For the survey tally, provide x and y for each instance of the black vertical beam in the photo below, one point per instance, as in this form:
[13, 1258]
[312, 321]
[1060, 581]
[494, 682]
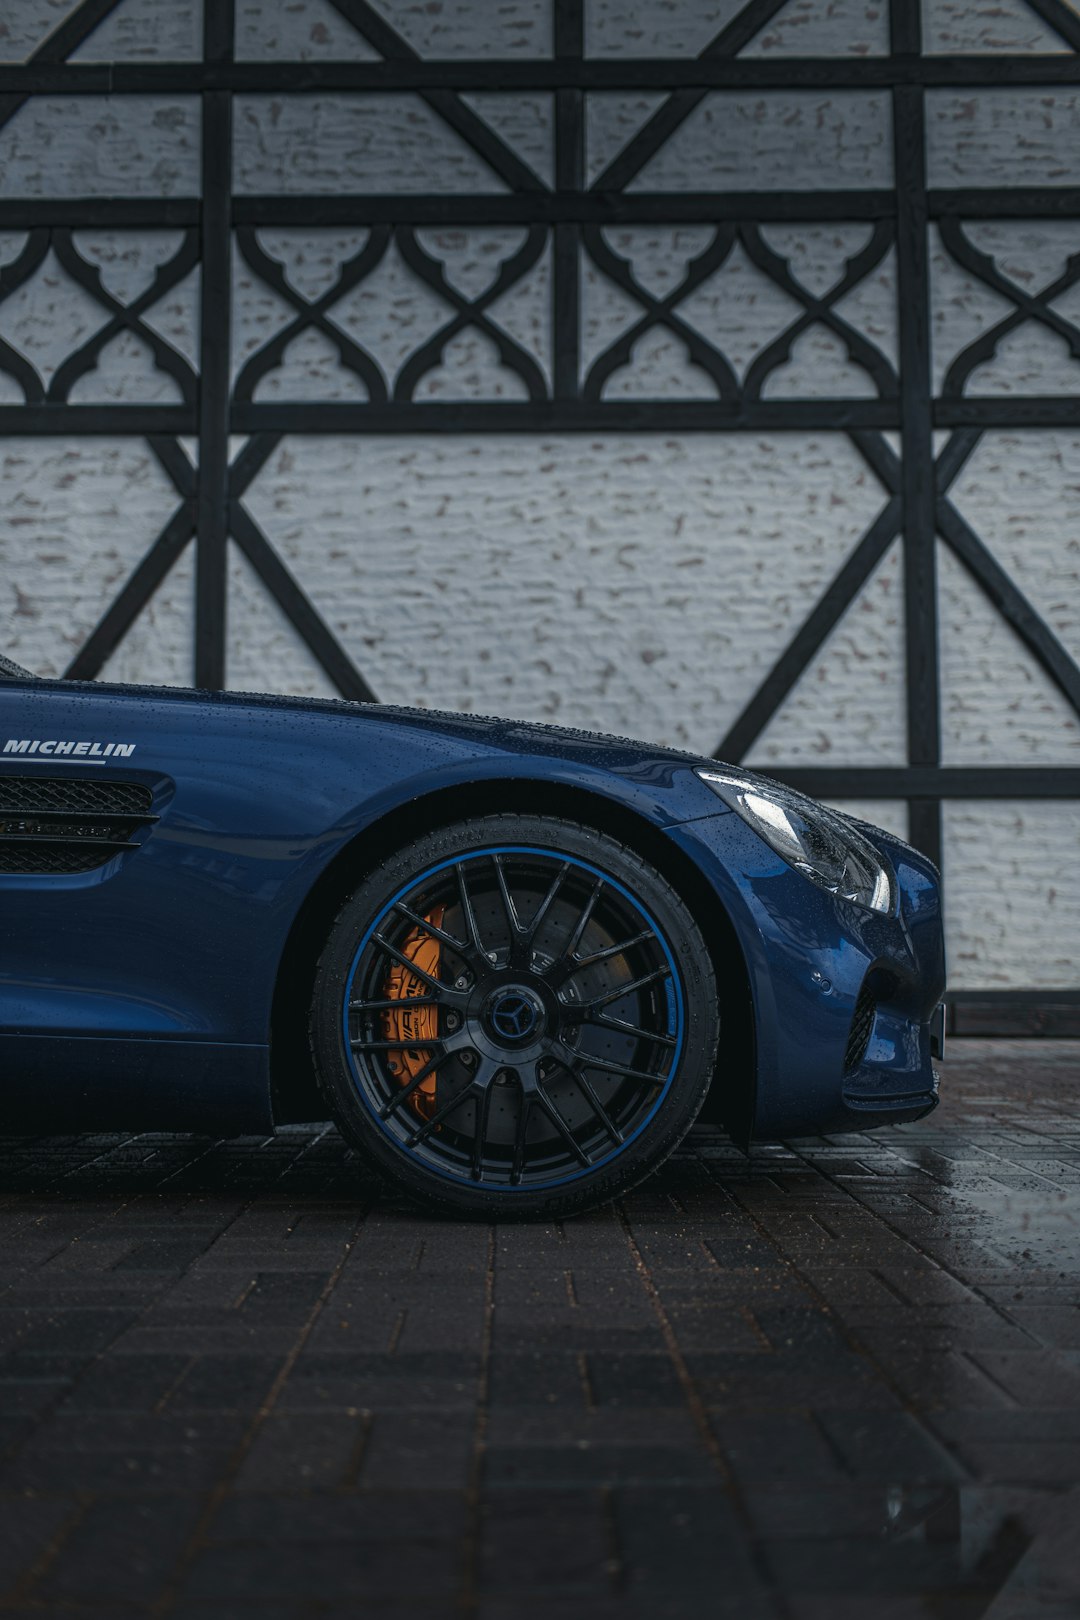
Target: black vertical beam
[917, 467]
[214, 347]
[569, 45]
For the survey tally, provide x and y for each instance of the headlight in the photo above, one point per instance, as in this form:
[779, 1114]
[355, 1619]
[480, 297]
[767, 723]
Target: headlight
[817, 842]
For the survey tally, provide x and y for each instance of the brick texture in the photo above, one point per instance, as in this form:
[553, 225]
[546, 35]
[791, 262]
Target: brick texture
[838, 1378]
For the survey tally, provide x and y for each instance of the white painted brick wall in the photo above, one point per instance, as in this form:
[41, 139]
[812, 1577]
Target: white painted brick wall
[641, 584]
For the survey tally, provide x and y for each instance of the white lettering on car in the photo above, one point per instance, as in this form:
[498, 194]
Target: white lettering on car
[96, 751]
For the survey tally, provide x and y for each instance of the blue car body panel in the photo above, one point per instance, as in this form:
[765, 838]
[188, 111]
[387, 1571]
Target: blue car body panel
[142, 992]
[808, 956]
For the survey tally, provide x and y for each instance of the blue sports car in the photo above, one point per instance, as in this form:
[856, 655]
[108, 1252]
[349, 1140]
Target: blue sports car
[513, 962]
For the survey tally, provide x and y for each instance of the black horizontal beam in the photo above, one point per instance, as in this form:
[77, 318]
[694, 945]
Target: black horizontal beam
[538, 416]
[563, 416]
[1051, 1014]
[561, 207]
[1010, 411]
[30, 213]
[25, 421]
[931, 781]
[552, 208]
[1016, 998]
[547, 207]
[1004, 202]
[717, 72]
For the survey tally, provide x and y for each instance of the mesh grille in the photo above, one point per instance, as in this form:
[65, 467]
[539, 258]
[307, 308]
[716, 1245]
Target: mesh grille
[862, 1022]
[52, 858]
[55, 793]
[57, 825]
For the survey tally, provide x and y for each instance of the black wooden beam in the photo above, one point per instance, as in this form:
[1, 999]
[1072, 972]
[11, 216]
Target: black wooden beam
[1051, 1014]
[65, 38]
[572, 206]
[214, 357]
[917, 454]
[125, 608]
[811, 635]
[569, 38]
[1062, 17]
[1013, 411]
[297, 607]
[618, 415]
[32, 421]
[1011, 603]
[669, 117]
[442, 98]
[930, 782]
[563, 416]
[700, 75]
[566, 204]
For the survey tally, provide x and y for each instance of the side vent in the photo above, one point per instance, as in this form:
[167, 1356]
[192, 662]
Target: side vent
[59, 825]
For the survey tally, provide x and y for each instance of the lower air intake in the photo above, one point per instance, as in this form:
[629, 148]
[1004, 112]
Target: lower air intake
[862, 1022]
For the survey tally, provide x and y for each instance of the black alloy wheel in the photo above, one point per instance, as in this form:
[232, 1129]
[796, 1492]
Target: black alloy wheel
[515, 1016]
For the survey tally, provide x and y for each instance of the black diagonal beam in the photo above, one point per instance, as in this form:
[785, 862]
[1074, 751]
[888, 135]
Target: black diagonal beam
[297, 607]
[455, 112]
[271, 570]
[1009, 600]
[1000, 590]
[173, 540]
[140, 586]
[826, 615]
[812, 634]
[115, 623]
[64, 39]
[1062, 17]
[674, 112]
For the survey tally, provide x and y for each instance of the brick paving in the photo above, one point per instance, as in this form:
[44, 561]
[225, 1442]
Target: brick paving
[838, 1381]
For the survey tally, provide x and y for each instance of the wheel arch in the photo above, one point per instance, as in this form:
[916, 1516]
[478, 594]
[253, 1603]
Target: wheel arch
[294, 1093]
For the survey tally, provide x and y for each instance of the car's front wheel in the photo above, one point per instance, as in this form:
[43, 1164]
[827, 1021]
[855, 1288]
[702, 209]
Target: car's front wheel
[515, 1016]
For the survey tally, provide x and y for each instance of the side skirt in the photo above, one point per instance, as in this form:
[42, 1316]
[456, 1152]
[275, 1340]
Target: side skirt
[64, 1084]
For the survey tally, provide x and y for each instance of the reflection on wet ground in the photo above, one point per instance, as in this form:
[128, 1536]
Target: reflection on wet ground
[837, 1381]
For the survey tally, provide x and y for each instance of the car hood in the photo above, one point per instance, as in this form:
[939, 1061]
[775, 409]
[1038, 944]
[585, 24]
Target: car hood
[487, 731]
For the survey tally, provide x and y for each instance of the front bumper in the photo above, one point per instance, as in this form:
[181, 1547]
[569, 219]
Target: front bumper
[845, 1001]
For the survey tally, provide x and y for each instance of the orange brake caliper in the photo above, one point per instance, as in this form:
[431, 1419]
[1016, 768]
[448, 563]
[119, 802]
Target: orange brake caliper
[414, 1024]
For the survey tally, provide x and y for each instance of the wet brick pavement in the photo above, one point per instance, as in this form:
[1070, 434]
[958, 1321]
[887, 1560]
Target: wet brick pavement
[838, 1381]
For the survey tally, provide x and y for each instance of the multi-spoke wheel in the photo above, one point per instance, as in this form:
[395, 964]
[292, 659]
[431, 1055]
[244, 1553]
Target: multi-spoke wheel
[516, 1015]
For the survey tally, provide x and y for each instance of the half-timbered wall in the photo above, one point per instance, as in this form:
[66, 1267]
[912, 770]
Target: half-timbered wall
[708, 372]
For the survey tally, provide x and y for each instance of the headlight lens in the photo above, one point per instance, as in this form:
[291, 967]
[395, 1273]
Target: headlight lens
[817, 842]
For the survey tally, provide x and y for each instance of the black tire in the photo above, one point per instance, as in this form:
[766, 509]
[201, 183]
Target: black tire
[562, 1020]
